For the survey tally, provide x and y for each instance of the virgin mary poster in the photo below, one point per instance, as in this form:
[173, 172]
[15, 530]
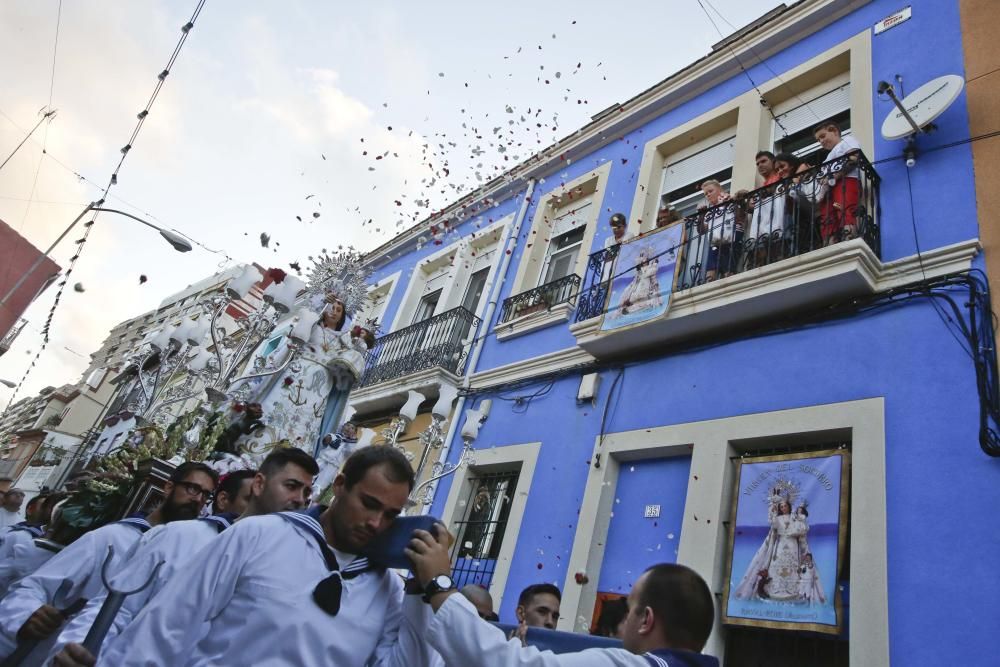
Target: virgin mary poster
[643, 278]
[787, 541]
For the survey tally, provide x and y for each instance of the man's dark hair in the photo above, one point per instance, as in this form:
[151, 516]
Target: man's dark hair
[188, 467]
[51, 501]
[398, 468]
[279, 458]
[681, 602]
[232, 482]
[825, 124]
[37, 499]
[789, 158]
[767, 153]
[524, 599]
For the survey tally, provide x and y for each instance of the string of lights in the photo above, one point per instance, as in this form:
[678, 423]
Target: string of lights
[112, 181]
[48, 115]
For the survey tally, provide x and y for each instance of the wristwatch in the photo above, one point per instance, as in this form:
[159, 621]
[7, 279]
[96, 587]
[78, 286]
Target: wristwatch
[439, 584]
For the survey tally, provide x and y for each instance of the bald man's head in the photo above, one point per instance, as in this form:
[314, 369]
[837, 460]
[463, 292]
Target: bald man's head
[481, 600]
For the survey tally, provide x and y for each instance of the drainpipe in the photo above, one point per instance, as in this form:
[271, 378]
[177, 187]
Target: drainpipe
[477, 349]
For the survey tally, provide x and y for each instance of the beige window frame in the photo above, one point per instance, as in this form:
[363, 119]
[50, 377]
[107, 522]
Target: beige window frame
[497, 459]
[754, 124]
[551, 207]
[449, 270]
[704, 540]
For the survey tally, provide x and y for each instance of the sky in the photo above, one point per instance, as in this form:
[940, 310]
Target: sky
[321, 124]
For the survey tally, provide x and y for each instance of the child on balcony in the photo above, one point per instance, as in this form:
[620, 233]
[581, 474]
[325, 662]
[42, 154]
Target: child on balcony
[724, 228]
[838, 217]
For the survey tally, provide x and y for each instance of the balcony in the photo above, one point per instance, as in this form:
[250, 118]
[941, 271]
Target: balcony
[536, 308]
[439, 342]
[798, 243]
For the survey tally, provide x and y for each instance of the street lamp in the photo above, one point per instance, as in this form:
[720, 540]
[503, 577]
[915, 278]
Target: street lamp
[179, 243]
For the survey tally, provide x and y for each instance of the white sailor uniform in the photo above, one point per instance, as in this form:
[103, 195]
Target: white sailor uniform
[254, 586]
[462, 638]
[71, 575]
[175, 545]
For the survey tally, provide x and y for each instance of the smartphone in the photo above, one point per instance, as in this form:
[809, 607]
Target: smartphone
[387, 549]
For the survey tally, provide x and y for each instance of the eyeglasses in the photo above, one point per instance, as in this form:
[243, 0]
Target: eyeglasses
[195, 490]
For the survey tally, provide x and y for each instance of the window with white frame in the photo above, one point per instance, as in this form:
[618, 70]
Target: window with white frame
[425, 307]
[682, 176]
[377, 302]
[792, 129]
[565, 240]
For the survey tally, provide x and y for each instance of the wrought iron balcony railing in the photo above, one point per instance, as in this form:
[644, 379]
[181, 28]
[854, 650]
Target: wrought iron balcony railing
[833, 202]
[540, 298]
[439, 341]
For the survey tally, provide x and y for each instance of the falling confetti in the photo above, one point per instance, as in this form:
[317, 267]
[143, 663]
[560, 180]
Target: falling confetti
[265, 239]
[78, 287]
[143, 279]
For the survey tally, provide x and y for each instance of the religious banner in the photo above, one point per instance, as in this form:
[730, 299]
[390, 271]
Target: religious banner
[787, 541]
[643, 279]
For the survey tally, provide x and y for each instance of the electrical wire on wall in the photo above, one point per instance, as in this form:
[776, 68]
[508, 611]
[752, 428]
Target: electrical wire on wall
[604, 416]
[964, 296]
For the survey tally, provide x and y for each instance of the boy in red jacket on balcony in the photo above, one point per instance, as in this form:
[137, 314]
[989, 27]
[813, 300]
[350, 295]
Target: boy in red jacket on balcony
[837, 209]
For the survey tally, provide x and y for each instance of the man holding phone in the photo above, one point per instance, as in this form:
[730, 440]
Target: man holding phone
[286, 589]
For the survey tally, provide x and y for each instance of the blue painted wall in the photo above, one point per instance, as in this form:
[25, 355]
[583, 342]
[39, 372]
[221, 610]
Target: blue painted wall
[935, 470]
[943, 539]
[635, 542]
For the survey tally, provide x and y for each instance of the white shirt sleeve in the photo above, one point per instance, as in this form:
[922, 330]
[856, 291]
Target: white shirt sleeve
[24, 559]
[403, 642]
[170, 625]
[159, 544]
[462, 638]
[59, 582]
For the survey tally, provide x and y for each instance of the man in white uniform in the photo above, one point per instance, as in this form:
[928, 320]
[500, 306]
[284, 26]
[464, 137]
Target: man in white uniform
[26, 549]
[234, 492]
[670, 615]
[10, 508]
[31, 611]
[282, 484]
[286, 589]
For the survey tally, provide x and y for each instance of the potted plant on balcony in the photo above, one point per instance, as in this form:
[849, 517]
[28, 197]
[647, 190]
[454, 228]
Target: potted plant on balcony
[536, 304]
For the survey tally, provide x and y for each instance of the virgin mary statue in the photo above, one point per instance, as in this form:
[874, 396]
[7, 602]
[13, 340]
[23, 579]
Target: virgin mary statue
[320, 358]
[777, 570]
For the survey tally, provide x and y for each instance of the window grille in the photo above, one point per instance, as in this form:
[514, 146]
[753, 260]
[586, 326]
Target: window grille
[488, 497]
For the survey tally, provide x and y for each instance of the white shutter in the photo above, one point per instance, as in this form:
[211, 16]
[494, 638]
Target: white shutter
[809, 114]
[571, 216]
[698, 166]
[483, 258]
[436, 275]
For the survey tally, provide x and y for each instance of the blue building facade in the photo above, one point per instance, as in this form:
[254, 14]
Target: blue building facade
[596, 452]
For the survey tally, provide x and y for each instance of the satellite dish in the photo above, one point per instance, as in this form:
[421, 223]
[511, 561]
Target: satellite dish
[916, 111]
